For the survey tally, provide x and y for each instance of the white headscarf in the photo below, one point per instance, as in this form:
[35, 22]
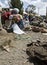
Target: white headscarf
[16, 9]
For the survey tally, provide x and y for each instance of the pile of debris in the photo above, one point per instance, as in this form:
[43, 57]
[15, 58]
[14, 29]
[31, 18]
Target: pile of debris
[39, 29]
[35, 23]
[39, 24]
[38, 49]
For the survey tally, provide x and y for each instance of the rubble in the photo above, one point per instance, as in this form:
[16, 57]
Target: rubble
[35, 23]
[39, 24]
[38, 51]
[43, 30]
[36, 29]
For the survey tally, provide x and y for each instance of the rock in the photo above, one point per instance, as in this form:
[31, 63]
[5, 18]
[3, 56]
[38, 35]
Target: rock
[36, 29]
[39, 51]
[7, 48]
[35, 23]
[43, 30]
[26, 28]
[45, 25]
[41, 25]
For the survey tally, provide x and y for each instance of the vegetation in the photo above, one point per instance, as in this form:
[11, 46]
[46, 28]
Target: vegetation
[30, 8]
[17, 4]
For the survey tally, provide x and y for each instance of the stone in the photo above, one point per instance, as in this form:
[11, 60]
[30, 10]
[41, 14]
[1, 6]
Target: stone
[36, 29]
[38, 51]
[43, 30]
[35, 23]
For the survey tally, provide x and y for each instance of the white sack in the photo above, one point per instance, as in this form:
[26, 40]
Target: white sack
[17, 30]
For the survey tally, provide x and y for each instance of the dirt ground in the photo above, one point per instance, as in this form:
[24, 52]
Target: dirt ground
[17, 54]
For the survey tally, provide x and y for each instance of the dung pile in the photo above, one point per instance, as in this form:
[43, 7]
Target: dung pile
[38, 50]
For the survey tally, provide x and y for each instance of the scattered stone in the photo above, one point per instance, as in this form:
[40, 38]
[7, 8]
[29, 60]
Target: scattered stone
[7, 48]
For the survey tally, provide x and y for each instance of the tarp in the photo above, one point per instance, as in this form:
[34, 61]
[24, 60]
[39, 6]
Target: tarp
[4, 3]
[17, 30]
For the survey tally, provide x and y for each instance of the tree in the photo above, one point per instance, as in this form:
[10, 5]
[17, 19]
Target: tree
[17, 4]
[30, 9]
